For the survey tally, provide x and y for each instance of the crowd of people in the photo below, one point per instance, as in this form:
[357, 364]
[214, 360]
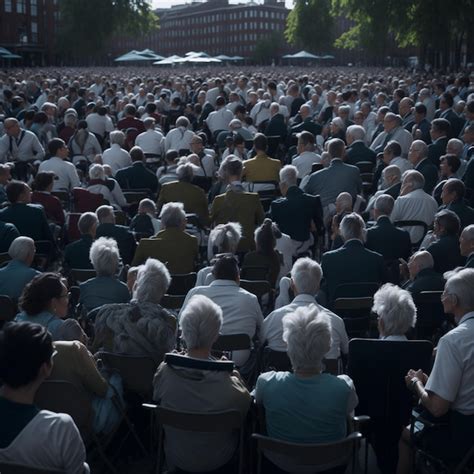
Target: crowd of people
[118, 185]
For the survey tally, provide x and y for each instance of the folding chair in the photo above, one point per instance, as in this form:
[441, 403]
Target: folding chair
[8, 310]
[365, 166]
[43, 255]
[135, 196]
[182, 283]
[316, 167]
[356, 290]
[72, 230]
[430, 314]
[80, 275]
[7, 468]
[5, 257]
[276, 360]
[85, 201]
[218, 422]
[64, 197]
[356, 313]
[232, 342]
[173, 302]
[259, 288]
[254, 272]
[120, 218]
[413, 223]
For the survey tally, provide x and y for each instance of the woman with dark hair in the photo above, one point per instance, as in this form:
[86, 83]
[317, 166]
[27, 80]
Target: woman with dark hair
[28, 436]
[45, 301]
[265, 255]
[42, 187]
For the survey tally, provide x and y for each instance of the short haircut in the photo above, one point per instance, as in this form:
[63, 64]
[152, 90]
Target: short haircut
[449, 221]
[456, 186]
[394, 148]
[24, 348]
[54, 145]
[230, 166]
[86, 222]
[105, 214]
[414, 177]
[396, 309]
[147, 205]
[392, 170]
[441, 125]
[117, 137]
[352, 227]
[136, 154]
[421, 147]
[289, 175]
[224, 238]
[185, 172]
[384, 204]
[14, 190]
[460, 284]
[336, 148]
[306, 275]
[452, 161]
[149, 122]
[39, 292]
[152, 283]
[225, 268]
[130, 109]
[260, 142]
[307, 333]
[420, 108]
[43, 180]
[172, 215]
[356, 132]
[97, 172]
[182, 122]
[306, 138]
[201, 322]
[22, 248]
[105, 257]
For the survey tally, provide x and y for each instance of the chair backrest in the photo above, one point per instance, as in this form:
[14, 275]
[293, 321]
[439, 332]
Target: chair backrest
[5, 257]
[232, 342]
[253, 272]
[421, 224]
[378, 369]
[71, 226]
[182, 283]
[135, 196]
[7, 468]
[8, 309]
[79, 275]
[61, 396]
[356, 313]
[85, 201]
[178, 360]
[174, 302]
[256, 287]
[276, 360]
[136, 371]
[430, 313]
[316, 167]
[356, 290]
[365, 166]
[295, 457]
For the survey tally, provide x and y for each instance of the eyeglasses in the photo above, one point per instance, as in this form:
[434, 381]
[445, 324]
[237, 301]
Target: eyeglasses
[66, 295]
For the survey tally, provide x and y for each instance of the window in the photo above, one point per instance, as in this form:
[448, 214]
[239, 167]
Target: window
[20, 6]
[34, 7]
[8, 6]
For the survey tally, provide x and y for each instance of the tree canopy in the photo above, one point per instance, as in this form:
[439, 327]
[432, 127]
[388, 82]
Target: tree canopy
[83, 30]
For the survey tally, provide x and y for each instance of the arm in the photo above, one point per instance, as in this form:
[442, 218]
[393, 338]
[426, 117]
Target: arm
[38, 149]
[91, 377]
[118, 196]
[74, 180]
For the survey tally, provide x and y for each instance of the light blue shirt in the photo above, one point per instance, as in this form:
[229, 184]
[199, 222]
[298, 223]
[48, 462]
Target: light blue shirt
[103, 290]
[49, 320]
[14, 277]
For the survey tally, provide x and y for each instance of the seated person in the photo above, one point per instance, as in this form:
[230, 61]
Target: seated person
[141, 327]
[306, 405]
[110, 190]
[76, 254]
[343, 207]
[422, 276]
[145, 222]
[448, 169]
[448, 390]
[466, 245]
[105, 288]
[18, 272]
[224, 238]
[265, 254]
[8, 233]
[453, 198]
[137, 176]
[193, 197]
[167, 172]
[445, 250]
[26, 360]
[195, 391]
[42, 188]
[45, 301]
[172, 245]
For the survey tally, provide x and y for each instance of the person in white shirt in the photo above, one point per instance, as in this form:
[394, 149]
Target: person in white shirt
[370, 118]
[115, 156]
[392, 156]
[151, 141]
[179, 138]
[206, 161]
[393, 130]
[306, 156]
[66, 173]
[240, 309]
[305, 281]
[19, 145]
[414, 204]
[99, 123]
[108, 187]
[219, 119]
[261, 110]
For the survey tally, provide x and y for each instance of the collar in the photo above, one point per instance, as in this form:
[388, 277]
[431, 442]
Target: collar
[467, 316]
[224, 283]
[394, 338]
[422, 161]
[261, 156]
[294, 191]
[304, 298]
[384, 220]
[352, 242]
[336, 161]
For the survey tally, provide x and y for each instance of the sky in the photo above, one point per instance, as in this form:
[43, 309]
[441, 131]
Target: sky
[169, 3]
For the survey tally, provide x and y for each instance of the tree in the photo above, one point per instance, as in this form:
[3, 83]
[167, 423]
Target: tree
[86, 25]
[310, 25]
[268, 48]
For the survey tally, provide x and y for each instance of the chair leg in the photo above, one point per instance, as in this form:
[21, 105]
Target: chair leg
[160, 454]
[103, 455]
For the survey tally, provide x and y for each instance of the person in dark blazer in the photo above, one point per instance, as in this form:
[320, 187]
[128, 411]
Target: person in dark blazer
[418, 156]
[76, 254]
[174, 247]
[352, 263]
[384, 238]
[193, 197]
[445, 111]
[296, 213]
[29, 219]
[452, 197]
[445, 251]
[304, 122]
[42, 188]
[357, 149]
[108, 228]
[449, 165]
[439, 135]
[466, 245]
[8, 233]
[137, 176]
[420, 126]
[422, 276]
[276, 125]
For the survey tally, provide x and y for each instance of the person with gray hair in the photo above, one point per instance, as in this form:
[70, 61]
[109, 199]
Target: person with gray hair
[145, 223]
[109, 188]
[172, 244]
[421, 274]
[352, 263]
[396, 312]
[151, 141]
[357, 150]
[391, 184]
[448, 388]
[312, 399]
[304, 282]
[179, 138]
[384, 238]
[392, 157]
[393, 130]
[116, 156]
[18, 272]
[418, 157]
[194, 390]
[414, 204]
[105, 288]
[76, 254]
[466, 245]
[141, 327]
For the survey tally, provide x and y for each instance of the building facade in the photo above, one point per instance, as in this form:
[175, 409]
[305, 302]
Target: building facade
[28, 28]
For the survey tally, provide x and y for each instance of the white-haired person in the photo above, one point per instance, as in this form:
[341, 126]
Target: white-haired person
[224, 238]
[145, 222]
[116, 156]
[306, 405]
[110, 190]
[305, 279]
[396, 312]
[141, 327]
[104, 288]
[447, 394]
[195, 390]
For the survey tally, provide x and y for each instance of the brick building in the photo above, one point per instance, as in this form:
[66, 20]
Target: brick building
[28, 28]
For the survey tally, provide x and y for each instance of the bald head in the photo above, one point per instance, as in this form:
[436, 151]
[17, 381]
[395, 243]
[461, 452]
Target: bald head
[419, 261]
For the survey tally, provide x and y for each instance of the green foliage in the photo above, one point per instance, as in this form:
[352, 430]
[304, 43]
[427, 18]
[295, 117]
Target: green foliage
[268, 48]
[310, 25]
[86, 25]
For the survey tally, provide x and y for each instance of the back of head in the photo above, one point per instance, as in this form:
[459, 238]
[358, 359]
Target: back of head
[306, 276]
[456, 186]
[153, 281]
[459, 284]
[172, 215]
[423, 259]
[226, 267]
[147, 206]
[265, 239]
[306, 139]
[224, 238]
[105, 257]
[14, 190]
[96, 172]
[260, 142]
[230, 167]
[54, 145]
[87, 222]
[415, 178]
[384, 204]
[394, 148]
[105, 214]
[23, 249]
[43, 180]
[136, 154]
[289, 175]
[352, 227]
[449, 222]
[24, 348]
[441, 125]
[117, 137]
[185, 172]
[39, 292]
[336, 148]
[357, 132]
